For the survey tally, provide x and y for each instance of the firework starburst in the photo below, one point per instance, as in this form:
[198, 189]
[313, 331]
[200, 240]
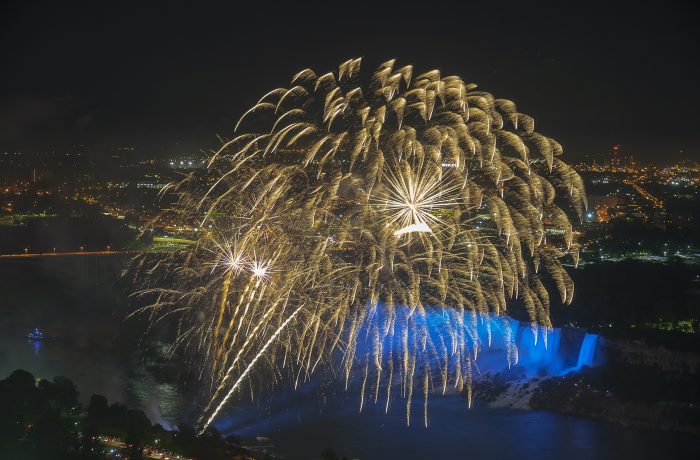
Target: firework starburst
[346, 210]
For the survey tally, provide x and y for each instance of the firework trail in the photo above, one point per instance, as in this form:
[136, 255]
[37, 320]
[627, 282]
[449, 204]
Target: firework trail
[342, 213]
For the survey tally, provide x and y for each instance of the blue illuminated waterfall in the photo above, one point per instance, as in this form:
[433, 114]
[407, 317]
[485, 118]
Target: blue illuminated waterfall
[502, 342]
[554, 352]
[586, 355]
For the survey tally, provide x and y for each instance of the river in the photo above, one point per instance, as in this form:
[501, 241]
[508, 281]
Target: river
[90, 343]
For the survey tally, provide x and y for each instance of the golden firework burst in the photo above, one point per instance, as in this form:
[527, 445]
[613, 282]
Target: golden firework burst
[376, 202]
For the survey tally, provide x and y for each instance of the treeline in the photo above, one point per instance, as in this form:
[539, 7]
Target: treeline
[43, 419]
[634, 293]
[625, 393]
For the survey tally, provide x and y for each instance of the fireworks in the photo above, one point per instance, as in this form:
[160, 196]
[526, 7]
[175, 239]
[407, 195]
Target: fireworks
[412, 197]
[343, 212]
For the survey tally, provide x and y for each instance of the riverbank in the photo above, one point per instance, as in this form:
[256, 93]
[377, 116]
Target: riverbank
[44, 419]
[635, 384]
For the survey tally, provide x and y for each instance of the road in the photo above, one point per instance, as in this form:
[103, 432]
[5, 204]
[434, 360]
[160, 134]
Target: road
[59, 254]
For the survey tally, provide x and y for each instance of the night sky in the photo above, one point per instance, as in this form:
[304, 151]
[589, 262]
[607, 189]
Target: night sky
[114, 73]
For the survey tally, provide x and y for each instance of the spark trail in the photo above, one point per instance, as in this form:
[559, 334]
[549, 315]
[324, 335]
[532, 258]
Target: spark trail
[345, 209]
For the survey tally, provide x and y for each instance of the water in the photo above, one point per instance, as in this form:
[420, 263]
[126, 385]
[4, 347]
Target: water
[535, 349]
[89, 343]
[300, 425]
[86, 340]
[586, 356]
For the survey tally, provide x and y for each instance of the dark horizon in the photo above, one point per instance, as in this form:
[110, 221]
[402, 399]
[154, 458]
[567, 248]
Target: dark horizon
[592, 76]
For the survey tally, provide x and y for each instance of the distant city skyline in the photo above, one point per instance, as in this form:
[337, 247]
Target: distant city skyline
[177, 150]
[592, 76]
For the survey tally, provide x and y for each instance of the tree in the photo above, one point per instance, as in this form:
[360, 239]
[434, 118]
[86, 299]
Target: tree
[52, 436]
[94, 424]
[21, 380]
[60, 395]
[96, 416]
[17, 400]
[184, 439]
[117, 420]
[65, 394]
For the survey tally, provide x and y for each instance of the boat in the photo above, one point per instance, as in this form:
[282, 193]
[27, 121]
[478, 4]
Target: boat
[35, 335]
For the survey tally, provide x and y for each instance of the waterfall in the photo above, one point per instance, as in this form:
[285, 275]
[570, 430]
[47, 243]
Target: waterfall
[502, 342]
[586, 354]
[543, 350]
[553, 339]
